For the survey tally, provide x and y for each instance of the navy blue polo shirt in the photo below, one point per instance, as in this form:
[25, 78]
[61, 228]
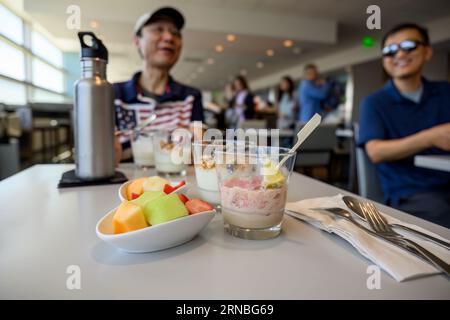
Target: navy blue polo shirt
[386, 115]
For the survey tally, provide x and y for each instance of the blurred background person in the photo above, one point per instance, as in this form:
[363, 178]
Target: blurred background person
[286, 103]
[312, 93]
[242, 105]
[408, 116]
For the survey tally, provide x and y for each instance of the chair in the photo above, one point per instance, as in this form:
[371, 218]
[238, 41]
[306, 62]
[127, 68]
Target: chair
[254, 135]
[9, 158]
[253, 124]
[368, 181]
[318, 149]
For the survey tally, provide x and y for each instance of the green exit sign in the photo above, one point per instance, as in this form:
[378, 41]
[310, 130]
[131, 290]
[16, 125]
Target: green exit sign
[368, 42]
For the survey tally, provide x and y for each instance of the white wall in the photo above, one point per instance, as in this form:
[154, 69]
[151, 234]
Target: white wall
[437, 68]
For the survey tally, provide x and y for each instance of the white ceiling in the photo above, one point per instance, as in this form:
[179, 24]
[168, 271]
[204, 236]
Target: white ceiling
[316, 26]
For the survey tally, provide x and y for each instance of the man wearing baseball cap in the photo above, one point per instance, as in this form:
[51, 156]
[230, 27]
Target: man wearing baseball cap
[158, 39]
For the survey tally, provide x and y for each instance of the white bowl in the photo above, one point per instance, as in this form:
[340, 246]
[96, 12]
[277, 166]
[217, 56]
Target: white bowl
[154, 238]
[124, 186]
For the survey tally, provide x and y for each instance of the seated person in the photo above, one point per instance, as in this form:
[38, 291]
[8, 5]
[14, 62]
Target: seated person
[409, 116]
[159, 42]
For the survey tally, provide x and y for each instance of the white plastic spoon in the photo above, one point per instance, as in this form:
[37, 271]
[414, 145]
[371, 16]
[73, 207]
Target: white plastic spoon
[138, 129]
[307, 129]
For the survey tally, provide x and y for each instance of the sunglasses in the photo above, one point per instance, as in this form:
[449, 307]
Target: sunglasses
[406, 45]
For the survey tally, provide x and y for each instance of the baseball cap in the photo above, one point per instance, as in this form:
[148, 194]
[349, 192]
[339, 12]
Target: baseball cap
[165, 13]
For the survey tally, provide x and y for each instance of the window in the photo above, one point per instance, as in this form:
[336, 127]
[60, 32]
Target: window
[38, 95]
[11, 26]
[46, 50]
[12, 62]
[12, 92]
[31, 66]
[46, 76]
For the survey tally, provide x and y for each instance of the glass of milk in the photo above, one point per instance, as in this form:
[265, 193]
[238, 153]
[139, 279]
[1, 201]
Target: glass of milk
[143, 149]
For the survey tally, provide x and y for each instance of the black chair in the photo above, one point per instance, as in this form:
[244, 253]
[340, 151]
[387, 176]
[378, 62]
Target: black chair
[366, 171]
[318, 149]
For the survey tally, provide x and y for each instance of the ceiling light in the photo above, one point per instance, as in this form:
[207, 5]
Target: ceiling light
[288, 43]
[297, 50]
[219, 48]
[231, 38]
[243, 72]
[270, 52]
[210, 61]
[259, 65]
[94, 24]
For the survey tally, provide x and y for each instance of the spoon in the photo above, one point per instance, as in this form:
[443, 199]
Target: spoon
[140, 127]
[307, 129]
[355, 205]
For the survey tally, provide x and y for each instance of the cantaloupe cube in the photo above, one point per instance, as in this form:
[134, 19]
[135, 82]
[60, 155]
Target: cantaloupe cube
[135, 187]
[128, 217]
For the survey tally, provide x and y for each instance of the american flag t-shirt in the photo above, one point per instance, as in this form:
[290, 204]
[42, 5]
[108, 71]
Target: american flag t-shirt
[169, 115]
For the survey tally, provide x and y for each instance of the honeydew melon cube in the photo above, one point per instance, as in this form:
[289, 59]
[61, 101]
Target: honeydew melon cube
[128, 217]
[147, 196]
[165, 209]
[154, 183]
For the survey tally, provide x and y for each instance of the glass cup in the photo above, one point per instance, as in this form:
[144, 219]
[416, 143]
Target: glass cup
[170, 152]
[142, 149]
[205, 170]
[253, 189]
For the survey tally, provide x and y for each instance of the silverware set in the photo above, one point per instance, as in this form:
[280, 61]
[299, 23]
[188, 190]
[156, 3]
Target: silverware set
[380, 228]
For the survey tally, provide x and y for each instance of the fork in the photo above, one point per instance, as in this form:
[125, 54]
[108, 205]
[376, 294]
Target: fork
[380, 225]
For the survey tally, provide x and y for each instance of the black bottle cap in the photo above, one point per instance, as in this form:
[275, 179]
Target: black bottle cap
[96, 50]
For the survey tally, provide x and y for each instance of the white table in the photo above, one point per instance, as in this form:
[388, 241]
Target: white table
[43, 230]
[435, 162]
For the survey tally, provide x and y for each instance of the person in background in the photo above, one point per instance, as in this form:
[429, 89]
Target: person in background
[158, 39]
[312, 93]
[242, 106]
[286, 103]
[409, 116]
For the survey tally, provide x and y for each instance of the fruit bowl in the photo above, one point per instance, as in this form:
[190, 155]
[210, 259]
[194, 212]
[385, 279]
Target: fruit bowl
[124, 186]
[154, 238]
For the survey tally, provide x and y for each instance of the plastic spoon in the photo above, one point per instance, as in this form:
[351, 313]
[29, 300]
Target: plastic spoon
[139, 128]
[307, 129]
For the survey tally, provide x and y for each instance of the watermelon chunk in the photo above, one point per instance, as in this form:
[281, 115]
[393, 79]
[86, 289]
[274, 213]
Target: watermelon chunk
[197, 205]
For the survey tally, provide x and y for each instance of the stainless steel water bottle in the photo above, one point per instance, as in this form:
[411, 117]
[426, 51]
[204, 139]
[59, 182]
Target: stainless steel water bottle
[94, 113]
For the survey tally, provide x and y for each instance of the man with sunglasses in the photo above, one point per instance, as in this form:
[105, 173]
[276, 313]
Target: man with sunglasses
[158, 39]
[408, 116]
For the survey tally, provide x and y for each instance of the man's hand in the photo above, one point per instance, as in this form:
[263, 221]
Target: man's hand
[439, 136]
[118, 149]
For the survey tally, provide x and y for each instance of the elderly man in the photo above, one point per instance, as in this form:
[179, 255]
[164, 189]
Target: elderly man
[158, 39]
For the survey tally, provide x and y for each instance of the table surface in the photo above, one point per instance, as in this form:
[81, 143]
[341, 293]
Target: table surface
[43, 230]
[436, 162]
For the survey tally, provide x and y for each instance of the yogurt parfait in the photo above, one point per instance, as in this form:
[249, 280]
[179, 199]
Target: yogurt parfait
[253, 194]
[168, 154]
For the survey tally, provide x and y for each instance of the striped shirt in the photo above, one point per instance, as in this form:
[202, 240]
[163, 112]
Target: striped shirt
[177, 107]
